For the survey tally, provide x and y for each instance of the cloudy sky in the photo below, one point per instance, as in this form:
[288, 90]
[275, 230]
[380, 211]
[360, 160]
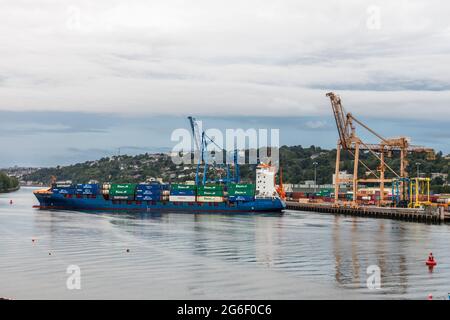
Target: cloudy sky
[80, 79]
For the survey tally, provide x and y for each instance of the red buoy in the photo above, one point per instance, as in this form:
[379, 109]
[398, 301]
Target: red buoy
[431, 262]
[10, 202]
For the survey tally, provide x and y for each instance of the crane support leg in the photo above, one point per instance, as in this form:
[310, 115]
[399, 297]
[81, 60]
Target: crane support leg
[337, 182]
[403, 186]
[355, 176]
[381, 179]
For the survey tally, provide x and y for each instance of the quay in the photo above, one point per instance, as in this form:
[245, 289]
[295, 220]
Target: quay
[432, 215]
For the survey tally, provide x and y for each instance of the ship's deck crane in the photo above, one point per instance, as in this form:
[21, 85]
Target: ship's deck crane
[201, 141]
[349, 141]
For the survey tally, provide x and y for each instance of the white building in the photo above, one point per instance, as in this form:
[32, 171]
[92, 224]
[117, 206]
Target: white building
[343, 175]
[443, 176]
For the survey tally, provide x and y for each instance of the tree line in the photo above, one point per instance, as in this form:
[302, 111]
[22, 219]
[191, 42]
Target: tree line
[298, 164]
[8, 183]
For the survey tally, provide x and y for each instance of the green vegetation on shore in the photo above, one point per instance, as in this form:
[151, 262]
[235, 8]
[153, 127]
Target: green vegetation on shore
[8, 183]
[297, 162]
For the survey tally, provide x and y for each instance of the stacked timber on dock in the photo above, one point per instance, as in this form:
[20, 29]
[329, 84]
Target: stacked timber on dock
[436, 215]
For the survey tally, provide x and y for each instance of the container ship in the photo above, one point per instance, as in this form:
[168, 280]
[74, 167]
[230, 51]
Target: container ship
[261, 196]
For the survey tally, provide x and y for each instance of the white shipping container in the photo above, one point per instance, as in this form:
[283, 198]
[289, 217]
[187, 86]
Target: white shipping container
[182, 198]
[209, 199]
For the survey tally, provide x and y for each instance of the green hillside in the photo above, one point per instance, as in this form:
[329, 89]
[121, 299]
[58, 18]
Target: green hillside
[297, 163]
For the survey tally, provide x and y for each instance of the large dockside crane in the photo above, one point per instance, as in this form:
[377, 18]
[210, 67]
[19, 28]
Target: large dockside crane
[349, 141]
[201, 142]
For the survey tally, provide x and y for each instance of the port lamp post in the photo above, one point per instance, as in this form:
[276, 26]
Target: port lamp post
[315, 176]
[418, 169]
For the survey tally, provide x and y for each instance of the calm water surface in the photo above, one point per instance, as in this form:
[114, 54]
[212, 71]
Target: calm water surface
[298, 255]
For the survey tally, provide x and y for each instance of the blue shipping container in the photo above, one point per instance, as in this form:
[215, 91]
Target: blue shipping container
[148, 187]
[64, 190]
[149, 192]
[87, 191]
[147, 198]
[87, 186]
[182, 192]
[152, 187]
[241, 198]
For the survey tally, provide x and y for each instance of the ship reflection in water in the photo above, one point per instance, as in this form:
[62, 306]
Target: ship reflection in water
[211, 256]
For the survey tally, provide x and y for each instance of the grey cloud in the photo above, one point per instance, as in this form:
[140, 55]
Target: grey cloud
[26, 123]
[389, 84]
[249, 58]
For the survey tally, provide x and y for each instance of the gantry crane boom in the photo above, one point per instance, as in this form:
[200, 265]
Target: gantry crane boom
[346, 130]
[341, 118]
[201, 141]
[348, 140]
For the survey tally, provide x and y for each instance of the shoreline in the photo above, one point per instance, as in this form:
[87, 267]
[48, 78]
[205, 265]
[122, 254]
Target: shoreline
[10, 190]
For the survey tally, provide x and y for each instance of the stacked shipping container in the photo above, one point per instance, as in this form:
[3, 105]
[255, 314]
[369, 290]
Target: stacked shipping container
[210, 193]
[87, 189]
[79, 189]
[241, 192]
[64, 189]
[160, 192]
[151, 192]
[182, 193]
[122, 191]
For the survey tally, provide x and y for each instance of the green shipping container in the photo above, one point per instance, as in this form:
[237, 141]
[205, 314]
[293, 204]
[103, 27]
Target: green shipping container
[241, 192]
[241, 189]
[122, 189]
[210, 193]
[241, 186]
[121, 192]
[211, 187]
[177, 186]
[123, 186]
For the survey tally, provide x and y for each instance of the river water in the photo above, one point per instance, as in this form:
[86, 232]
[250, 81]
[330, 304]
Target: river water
[297, 255]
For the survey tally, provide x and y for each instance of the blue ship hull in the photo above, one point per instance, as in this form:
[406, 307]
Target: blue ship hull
[49, 200]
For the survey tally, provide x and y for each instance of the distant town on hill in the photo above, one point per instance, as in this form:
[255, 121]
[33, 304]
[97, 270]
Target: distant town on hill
[298, 165]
